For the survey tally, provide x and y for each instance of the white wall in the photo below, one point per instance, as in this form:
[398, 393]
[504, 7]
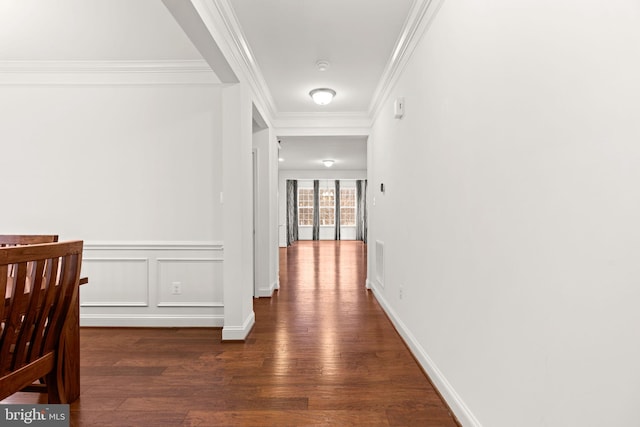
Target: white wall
[135, 172]
[265, 148]
[112, 162]
[237, 143]
[514, 173]
[284, 175]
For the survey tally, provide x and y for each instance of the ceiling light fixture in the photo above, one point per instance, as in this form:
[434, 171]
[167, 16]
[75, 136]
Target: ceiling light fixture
[322, 96]
[328, 163]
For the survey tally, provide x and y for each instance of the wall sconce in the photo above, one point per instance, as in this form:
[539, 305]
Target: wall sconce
[328, 163]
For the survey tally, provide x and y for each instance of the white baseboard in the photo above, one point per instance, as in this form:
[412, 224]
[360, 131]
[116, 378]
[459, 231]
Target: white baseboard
[163, 321]
[453, 399]
[239, 333]
[268, 291]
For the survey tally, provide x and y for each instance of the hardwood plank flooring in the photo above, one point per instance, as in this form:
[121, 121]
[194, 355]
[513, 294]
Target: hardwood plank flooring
[322, 353]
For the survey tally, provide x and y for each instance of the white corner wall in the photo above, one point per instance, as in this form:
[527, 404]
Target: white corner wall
[265, 147]
[239, 317]
[134, 170]
[510, 217]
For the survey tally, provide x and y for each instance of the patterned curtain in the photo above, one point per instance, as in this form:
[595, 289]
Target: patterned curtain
[316, 210]
[292, 211]
[337, 215]
[361, 210]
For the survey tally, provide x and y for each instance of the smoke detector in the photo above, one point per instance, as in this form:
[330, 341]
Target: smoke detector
[322, 65]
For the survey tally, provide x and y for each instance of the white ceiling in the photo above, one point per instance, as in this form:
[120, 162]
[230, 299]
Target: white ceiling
[288, 37]
[307, 152]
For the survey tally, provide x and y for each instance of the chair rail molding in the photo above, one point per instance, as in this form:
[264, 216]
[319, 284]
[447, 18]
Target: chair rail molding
[154, 245]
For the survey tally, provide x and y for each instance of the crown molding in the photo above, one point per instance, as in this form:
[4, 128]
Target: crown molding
[324, 123]
[244, 57]
[308, 115]
[106, 72]
[420, 17]
[195, 65]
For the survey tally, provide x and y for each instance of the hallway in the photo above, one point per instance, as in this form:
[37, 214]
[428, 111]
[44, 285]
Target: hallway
[332, 335]
[322, 353]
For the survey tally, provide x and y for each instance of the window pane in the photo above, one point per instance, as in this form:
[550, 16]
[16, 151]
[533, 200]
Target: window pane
[347, 216]
[327, 198]
[305, 206]
[305, 197]
[347, 197]
[305, 216]
[327, 204]
[348, 206]
[326, 216]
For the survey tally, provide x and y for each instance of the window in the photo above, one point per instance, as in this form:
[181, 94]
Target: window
[348, 206]
[327, 206]
[305, 206]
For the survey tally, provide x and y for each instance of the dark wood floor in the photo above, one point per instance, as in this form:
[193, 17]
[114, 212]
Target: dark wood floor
[322, 353]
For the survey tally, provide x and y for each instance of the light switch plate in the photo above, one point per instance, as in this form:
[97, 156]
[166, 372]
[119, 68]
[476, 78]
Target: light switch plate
[398, 108]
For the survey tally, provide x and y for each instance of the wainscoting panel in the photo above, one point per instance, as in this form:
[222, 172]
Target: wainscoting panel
[152, 284]
[189, 282]
[115, 282]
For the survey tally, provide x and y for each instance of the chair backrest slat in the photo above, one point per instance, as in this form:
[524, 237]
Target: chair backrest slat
[23, 352]
[4, 281]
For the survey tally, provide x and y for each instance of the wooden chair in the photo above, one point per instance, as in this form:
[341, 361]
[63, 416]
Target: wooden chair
[33, 315]
[70, 342]
[26, 239]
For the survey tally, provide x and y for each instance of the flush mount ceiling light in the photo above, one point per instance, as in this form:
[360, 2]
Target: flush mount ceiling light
[328, 163]
[322, 96]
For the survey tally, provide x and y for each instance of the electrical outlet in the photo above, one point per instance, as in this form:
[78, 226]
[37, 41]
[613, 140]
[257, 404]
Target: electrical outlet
[176, 288]
[401, 292]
